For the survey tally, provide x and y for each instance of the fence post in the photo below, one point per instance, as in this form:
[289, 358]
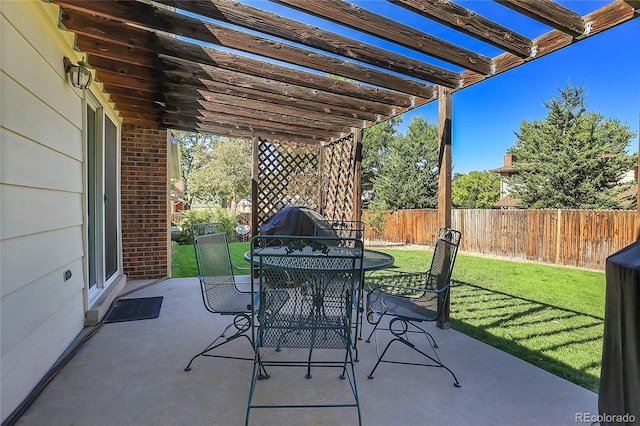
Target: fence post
[558, 235]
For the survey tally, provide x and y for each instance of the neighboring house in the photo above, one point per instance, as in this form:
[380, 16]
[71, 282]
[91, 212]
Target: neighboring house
[629, 197]
[506, 201]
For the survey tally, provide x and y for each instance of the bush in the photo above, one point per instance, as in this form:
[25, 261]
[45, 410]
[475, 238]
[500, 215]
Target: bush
[375, 220]
[215, 214]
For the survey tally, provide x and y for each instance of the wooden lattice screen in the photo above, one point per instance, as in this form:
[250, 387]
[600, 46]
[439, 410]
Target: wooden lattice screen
[319, 177]
[338, 168]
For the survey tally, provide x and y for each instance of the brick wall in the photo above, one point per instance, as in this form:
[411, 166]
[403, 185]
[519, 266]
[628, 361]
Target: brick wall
[145, 233]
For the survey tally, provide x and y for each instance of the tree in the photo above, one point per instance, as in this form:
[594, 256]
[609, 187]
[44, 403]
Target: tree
[573, 159]
[476, 190]
[375, 147]
[408, 175]
[195, 151]
[226, 177]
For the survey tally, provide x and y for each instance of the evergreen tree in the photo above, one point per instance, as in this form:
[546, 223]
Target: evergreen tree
[573, 159]
[408, 176]
[475, 190]
[375, 147]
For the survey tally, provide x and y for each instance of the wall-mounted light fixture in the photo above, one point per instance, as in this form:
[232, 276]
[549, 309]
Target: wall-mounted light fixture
[79, 75]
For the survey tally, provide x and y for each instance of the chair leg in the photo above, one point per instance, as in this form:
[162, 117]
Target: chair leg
[241, 329]
[436, 361]
[375, 325]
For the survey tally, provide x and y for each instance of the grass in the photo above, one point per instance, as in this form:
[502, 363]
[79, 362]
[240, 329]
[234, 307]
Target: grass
[552, 317]
[183, 259]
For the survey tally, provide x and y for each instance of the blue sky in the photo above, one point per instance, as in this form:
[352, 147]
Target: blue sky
[485, 116]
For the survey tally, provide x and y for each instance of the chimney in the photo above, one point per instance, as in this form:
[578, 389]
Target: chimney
[509, 159]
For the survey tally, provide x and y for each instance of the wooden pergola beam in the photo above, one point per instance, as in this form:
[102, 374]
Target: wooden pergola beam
[549, 13]
[155, 18]
[387, 29]
[468, 22]
[634, 3]
[445, 117]
[283, 121]
[280, 112]
[601, 20]
[320, 89]
[243, 132]
[287, 29]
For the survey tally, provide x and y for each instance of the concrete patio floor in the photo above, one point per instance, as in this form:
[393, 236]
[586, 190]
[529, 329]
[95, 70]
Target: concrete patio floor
[132, 373]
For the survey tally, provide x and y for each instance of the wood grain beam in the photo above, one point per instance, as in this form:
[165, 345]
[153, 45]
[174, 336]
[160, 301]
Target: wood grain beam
[307, 108]
[335, 91]
[470, 23]
[244, 114]
[445, 126]
[247, 131]
[163, 20]
[320, 119]
[634, 3]
[220, 118]
[549, 13]
[123, 41]
[287, 29]
[379, 26]
[601, 20]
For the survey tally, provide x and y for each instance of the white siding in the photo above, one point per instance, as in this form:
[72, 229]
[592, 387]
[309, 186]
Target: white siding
[41, 198]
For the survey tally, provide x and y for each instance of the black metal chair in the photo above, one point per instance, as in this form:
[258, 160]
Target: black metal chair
[307, 288]
[408, 299]
[220, 288]
[348, 230]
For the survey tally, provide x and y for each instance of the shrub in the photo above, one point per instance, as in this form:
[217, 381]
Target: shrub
[211, 214]
[375, 220]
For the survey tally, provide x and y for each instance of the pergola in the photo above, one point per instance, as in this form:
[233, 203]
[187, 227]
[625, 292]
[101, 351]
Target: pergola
[183, 64]
[303, 94]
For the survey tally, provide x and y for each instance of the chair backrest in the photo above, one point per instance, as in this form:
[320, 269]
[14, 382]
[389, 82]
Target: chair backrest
[444, 257]
[306, 290]
[215, 270]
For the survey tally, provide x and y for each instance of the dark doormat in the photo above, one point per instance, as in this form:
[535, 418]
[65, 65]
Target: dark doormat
[135, 309]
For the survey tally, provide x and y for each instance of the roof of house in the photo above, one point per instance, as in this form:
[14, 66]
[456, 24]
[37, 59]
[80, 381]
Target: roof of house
[628, 197]
[505, 170]
[507, 202]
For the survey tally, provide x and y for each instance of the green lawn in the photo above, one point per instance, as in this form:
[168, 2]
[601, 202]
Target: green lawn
[183, 259]
[549, 316]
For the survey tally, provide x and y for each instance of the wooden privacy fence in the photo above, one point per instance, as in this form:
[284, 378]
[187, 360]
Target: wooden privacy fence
[580, 238]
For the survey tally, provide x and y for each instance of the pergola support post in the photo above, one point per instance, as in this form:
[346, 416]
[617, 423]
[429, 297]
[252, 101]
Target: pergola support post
[357, 175]
[444, 180]
[254, 186]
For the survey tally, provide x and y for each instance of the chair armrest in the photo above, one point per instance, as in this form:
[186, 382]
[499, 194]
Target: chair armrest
[241, 268]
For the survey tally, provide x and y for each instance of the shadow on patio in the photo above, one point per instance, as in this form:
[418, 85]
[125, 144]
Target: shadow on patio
[131, 373]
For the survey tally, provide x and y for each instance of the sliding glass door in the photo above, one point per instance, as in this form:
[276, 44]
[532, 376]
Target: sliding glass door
[103, 242]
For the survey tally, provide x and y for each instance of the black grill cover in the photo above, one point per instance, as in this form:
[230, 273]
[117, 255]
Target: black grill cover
[295, 220]
[619, 396]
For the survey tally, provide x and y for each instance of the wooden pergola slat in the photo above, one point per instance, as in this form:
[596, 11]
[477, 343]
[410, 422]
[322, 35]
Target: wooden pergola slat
[363, 20]
[468, 22]
[549, 13]
[143, 64]
[163, 20]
